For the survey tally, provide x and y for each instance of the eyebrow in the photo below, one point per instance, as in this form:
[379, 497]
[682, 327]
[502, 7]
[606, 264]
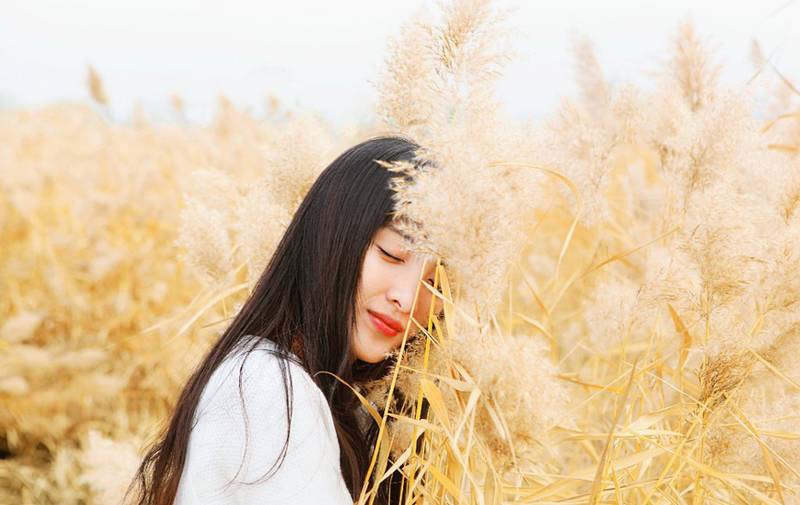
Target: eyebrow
[396, 230]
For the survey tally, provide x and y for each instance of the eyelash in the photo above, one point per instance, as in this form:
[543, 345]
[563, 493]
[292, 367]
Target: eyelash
[388, 255]
[398, 259]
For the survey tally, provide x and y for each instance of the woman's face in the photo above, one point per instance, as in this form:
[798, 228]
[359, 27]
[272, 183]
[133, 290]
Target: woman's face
[389, 278]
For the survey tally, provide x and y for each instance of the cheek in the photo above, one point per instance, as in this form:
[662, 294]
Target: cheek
[424, 302]
[371, 275]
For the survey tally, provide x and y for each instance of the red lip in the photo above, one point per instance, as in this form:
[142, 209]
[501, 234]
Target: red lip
[387, 322]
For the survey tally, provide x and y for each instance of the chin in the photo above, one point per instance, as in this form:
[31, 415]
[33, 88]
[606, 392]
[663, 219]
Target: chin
[374, 353]
[374, 356]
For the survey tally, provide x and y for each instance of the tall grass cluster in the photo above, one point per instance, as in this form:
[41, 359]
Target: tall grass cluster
[620, 282]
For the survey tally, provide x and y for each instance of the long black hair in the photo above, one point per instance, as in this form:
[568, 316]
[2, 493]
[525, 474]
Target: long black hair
[304, 301]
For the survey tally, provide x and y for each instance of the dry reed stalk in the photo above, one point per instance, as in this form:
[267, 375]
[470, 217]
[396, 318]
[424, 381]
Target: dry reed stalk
[100, 301]
[95, 84]
[668, 249]
[620, 321]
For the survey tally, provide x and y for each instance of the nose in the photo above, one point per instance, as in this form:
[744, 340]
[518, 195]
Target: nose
[404, 287]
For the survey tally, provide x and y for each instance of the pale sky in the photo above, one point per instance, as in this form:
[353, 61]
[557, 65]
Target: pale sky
[323, 55]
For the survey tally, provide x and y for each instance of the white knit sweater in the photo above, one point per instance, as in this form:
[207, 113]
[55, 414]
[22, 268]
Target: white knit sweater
[310, 473]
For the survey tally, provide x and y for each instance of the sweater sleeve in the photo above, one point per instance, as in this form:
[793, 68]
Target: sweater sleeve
[241, 436]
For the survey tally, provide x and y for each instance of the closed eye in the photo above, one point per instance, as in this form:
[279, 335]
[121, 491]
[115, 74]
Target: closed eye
[388, 255]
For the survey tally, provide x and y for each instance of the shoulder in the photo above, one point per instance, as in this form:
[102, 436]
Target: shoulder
[258, 377]
[266, 386]
[241, 427]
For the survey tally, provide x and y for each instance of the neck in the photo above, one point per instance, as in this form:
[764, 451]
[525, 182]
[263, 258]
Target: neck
[297, 348]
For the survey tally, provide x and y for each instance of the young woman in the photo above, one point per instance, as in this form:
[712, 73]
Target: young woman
[262, 419]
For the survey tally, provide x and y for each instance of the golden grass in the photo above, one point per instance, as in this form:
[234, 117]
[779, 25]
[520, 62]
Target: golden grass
[642, 416]
[101, 318]
[610, 371]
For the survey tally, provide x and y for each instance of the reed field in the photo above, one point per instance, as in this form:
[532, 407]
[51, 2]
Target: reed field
[621, 289]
